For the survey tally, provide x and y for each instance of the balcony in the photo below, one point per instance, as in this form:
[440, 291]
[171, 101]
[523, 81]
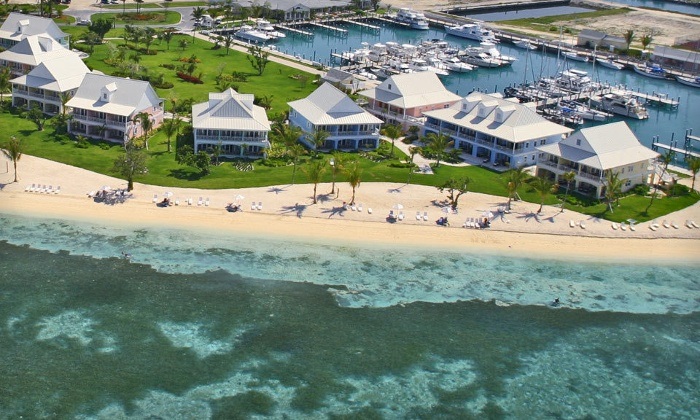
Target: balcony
[504, 148]
[548, 164]
[228, 139]
[596, 178]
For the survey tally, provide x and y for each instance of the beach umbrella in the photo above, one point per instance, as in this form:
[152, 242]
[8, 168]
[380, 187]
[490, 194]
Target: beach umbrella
[106, 188]
[398, 206]
[446, 209]
[168, 194]
[487, 214]
[239, 198]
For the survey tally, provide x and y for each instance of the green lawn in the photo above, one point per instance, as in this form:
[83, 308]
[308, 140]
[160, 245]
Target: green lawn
[148, 18]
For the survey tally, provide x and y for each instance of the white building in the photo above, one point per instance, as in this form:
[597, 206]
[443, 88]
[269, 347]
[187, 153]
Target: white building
[231, 121]
[31, 51]
[45, 85]
[349, 125]
[497, 130]
[18, 26]
[108, 107]
[593, 152]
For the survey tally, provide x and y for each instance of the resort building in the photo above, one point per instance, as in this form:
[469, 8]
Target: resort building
[30, 52]
[349, 126]
[596, 39]
[294, 10]
[50, 84]
[230, 121]
[403, 98]
[111, 108]
[496, 130]
[593, 152]
[18, 26]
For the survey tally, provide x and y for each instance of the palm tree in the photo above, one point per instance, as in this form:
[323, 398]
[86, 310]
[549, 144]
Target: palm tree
[337, 166]
[412, 151]
[437, 143]
[167, 36]
[514, 179]
[295, 151]
[354, 173]
[666, 160]
[13, 151]
[286, 134]
[144, 120]
[394, 132]
[568, 177]
[694, 166]
[171, 128]
[646, 40]
[315, 172]
[64, 97]
[318, 138]
[629, 37]
[148, 34]
[613, 187]
[543, 187]
[5, 84]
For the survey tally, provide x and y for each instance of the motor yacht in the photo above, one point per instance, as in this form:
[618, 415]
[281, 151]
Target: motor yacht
[609, 63]
[574, 56]
[477, 57]
[524, 44]
[689, 81]
[266, 27]
[249, 33]
[472, 31]
[490, 49]
[414, 19]
[654, 71]
[456, 65]
[619, 104]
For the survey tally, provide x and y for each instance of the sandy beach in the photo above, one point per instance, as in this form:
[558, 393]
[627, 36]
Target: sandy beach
[288, 212]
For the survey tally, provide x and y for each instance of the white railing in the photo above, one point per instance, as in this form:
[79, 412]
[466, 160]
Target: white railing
[232, 139]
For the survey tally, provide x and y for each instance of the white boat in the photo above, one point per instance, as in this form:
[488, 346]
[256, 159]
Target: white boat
[654, 71]
[250, 34]
[456, 65]
[573, 55]
[524, 44]
[574, 81]
[415, 20]
[622, 105]
[418, 64]
[266, 27]
[583, 111]
[490, 49]
[689, 81]
[477, 57]
[609, 63]
[472, 31]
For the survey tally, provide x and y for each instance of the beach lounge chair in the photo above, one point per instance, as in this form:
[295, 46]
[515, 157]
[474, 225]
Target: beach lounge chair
[401, 215]
[206, 202]
[57, 190]
[253, 206]
[189, 201]
[695, 225]
[614, 225]
[425, 216]
[582, 224]
[359, 207]
[674, 225]
[369, 210]
[654, 224]
[418, 216]
[632, 227]
[623, 226]
[200, 201]
[28, 187]
[49, 189]
[391, 215]
[666, 224]
[155, 198]
[572, 223]
[353, 207]
[177, 202]
[259, 205]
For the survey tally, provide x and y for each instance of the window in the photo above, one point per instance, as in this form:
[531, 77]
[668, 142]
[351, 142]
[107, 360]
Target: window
[623, 171]
[533, 158]
[389, 86]
[543, 142]
[578, 142]
[527, 145]
[630, 168]
[628, 183]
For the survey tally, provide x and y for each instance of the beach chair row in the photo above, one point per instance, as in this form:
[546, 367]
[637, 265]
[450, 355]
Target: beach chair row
[43, 189]
[472, 223]
[423, 217]
[581, 224]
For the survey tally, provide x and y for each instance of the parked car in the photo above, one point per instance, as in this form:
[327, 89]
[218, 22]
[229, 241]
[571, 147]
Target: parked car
[83, 22]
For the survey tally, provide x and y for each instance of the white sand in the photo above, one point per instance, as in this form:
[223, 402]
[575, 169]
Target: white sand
[288, 212]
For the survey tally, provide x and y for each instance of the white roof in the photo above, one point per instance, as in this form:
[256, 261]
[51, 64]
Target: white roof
[130, 96]
[329, 106]
[288, 4]
[35, 49]
[603, 147]
[230, 110]
[33, 25]
[58, 75]
[676, 54]
[498, 117]
[411, 90]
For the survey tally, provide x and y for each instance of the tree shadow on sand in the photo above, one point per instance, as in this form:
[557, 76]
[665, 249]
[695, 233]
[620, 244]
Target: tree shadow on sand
[335, 210]
[297, 208]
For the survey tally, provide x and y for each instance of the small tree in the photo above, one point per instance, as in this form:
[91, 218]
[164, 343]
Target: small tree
[569, 177]
[183, 43]
[36, 115]
[258, 58]
[694, 166]
[227, 41]
[171, 127]
[613, 188]
[315, 172]
[100, 27]
[393, 132]
[514, 179]
[167, 36]
[5, 84]
[646, 40]
[629, 37]
[455, 188]
[91, 39]
[354, 174]
[131, 163]
[318, 138]
[436, 144]
[295, 152]
[144, 119]
[666, 160]
[412, 152]
[13, 151]
[148, 38]
[543, 187]
[337, 167]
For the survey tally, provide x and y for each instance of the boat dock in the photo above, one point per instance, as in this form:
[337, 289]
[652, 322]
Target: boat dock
[361, 24]
[392, 21]
[341, 31]
[294, 30]
[685, 151]
[652, 98]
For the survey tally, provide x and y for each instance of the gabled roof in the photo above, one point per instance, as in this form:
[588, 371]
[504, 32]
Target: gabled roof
[337, 76]
[230, 110]
[35, 49]
[603, 147]
[411, 90]
[58, 75]
[33, 25]
[498, 117]
[327, 106]
[130, 96]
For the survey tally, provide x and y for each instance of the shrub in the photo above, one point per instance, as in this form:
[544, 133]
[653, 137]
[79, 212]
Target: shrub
[168, 66]
[641, 189]
[677, 190]
[164, 85]
[192, 79]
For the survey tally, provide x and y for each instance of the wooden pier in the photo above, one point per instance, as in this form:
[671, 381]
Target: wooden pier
[685, 151]
[295, 30]
[392, 21]
[652, 98]
[361, 24]
[341, 31]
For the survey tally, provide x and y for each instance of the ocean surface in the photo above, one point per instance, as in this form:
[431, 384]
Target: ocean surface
[663, 122]
[203, 325]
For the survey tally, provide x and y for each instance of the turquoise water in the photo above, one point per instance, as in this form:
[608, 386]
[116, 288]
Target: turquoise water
[201, 325]
[663, 122]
